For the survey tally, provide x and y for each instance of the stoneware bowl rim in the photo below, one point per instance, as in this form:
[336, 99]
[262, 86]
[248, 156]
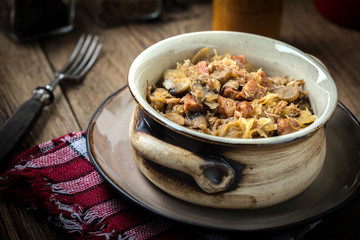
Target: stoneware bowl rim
[144, 105]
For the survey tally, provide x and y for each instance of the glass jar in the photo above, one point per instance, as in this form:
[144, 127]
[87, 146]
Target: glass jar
[25, 20]
[261, 17]
[113, 12]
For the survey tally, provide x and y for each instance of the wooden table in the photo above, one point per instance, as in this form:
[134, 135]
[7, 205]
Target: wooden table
[26, 66]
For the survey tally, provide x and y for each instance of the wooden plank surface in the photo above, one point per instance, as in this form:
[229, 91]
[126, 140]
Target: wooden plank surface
[22, 68]
[337, 46]
[25, 66]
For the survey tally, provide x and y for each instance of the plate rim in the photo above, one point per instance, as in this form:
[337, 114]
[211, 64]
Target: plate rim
[122, 192]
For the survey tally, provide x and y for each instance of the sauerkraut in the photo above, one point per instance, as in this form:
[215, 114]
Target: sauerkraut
[224, 95]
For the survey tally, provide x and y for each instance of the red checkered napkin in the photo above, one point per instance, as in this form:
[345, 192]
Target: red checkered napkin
[58, 179]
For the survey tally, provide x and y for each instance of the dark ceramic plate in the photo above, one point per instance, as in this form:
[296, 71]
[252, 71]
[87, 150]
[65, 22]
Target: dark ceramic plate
[337, 184]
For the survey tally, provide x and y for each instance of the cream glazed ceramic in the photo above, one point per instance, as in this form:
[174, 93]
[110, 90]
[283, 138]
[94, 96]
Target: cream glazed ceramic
[222, 172]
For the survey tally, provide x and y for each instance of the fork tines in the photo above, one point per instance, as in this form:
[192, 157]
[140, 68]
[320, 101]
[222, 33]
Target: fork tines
[83, 56]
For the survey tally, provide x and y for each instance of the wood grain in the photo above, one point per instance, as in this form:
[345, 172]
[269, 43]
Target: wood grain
[22, 68]
[26, 66]
[337, 46]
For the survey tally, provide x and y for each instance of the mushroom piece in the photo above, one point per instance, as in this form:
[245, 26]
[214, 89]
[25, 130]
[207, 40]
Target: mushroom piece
[288, 93]
[286, 126]
[202, 55]
[196, 121]
[175, 117]
[176, 81]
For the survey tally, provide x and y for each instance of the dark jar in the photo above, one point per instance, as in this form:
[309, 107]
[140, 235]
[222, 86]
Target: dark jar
[107, 13]
[25, 20]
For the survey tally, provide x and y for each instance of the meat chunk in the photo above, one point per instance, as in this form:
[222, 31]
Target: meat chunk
[245, 108]
[203, 67]
[226, 107]
[230, 92]
[286, 126]
[230, 89]
[265, 81]
[191, 105]
[251, 91]
[240, 60]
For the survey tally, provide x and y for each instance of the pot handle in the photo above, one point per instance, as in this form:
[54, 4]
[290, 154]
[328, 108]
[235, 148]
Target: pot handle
[211, 175]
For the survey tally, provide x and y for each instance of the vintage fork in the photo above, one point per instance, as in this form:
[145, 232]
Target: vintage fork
[79, 63]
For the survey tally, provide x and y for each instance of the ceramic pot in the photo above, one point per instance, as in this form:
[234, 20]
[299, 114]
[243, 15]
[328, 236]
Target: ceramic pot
[226, 172]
